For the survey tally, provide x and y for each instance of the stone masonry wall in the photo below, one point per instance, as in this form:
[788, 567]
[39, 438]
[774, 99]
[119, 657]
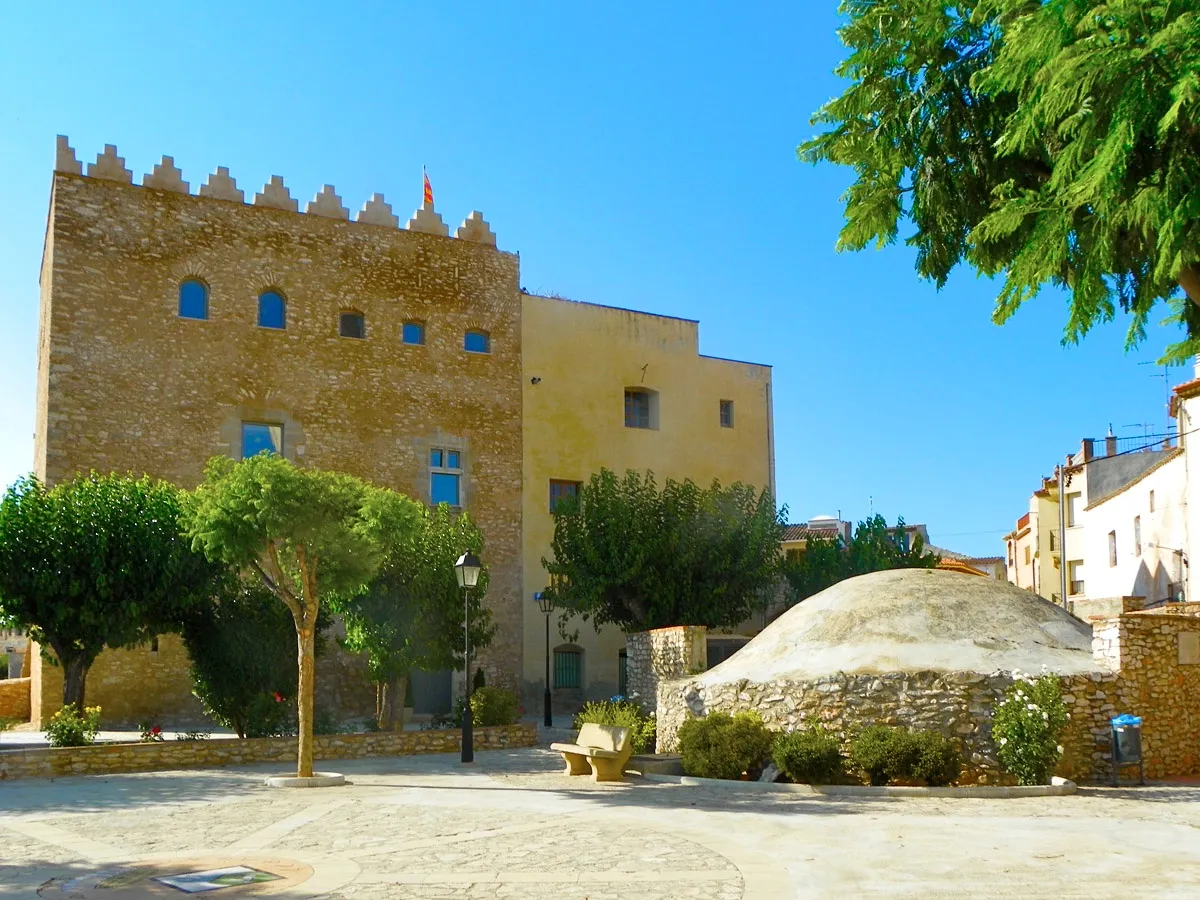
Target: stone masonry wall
[662, 653]
[106, 759]
[14, 699]
[1154, 681]
[126, 384]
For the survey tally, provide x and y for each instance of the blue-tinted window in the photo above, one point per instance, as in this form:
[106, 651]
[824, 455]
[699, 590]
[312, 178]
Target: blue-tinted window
[271, 310]
[193, 300]
[260, 436]
[443, 488]
[413, 333]
[452, 459]
[436, 458]
[477, 342]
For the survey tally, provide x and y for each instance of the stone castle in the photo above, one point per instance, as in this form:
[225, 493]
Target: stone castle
[177, 326]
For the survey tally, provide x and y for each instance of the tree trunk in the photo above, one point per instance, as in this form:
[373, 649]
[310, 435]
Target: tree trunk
[306, 642]
[75, 670]
[387, 695]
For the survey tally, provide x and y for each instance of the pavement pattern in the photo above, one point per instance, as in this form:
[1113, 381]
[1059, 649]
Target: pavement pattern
[512, 826]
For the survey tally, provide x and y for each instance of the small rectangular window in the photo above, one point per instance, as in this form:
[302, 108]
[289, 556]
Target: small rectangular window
[726, 413]
[477, 342]
[445, 477]
[1112, 548]
[413, 333]
[1075, 577]
[1152, 501]
[1137, 535]
[637, 409]
[1073, 502]
[568, 669]
[562, 490]
[352, 325]
[1052, 542]
[261, 437]
[1026, 554]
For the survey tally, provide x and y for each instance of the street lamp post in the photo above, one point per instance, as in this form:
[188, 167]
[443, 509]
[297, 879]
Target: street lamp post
[467, 570]
[545, 602]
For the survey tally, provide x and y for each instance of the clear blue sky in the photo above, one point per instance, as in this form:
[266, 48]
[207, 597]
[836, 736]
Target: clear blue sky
[634, 156]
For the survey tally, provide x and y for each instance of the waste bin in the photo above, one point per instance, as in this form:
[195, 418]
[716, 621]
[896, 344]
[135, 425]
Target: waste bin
[1127, 746]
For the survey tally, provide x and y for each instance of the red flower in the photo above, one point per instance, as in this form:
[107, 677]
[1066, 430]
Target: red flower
[278, 697]
[156, 730]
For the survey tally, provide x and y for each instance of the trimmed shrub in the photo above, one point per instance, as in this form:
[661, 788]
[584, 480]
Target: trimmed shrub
[812, 755]
[885, 754]
[494, 706]
[936, 759]
[723, 746]
[1026, 727]
[68, 728]
[625, 714]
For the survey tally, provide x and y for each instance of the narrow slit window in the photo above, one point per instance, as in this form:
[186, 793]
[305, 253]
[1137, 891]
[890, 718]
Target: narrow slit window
[726, 413]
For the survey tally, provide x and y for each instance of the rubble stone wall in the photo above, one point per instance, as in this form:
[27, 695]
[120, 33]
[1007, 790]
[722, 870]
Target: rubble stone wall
[660, 654]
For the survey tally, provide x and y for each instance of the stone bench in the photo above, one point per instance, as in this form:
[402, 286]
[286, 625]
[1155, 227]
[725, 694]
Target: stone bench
[601, 749]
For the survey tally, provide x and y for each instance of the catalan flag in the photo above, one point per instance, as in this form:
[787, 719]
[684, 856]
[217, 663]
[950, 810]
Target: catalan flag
[428, 188]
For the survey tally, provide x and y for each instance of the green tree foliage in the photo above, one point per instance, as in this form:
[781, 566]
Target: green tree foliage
[308, 534]
[242, 648]
[98, 561]
[629, 554]
[1053, 142]
[874, 547]
[410, 616]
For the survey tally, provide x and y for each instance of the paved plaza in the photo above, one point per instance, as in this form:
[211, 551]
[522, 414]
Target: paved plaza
[512, 826]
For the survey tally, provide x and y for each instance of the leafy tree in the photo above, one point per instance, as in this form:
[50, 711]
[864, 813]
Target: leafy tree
[874, 547]
[1055, 142]
[242, 648]
[308, 534]
[410, 616]
[98, 561]
[629, 554]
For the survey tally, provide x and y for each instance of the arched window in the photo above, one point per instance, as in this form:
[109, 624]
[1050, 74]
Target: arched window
[477, 342]
[413, 333]
[193, 299]
[352, 325]
[272, 310]
[568, 667]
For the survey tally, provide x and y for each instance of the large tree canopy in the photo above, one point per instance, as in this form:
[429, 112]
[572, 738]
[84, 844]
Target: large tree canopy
[629, 554]
[873, 547]
[308, 534]
[98, 561]
[1051, 142]
[410, 615]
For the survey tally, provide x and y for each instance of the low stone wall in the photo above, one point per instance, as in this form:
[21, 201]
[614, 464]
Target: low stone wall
[108, 759]
[660, 654]
[14, 699]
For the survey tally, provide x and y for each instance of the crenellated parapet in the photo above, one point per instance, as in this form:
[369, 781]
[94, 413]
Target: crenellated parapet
[220, 185]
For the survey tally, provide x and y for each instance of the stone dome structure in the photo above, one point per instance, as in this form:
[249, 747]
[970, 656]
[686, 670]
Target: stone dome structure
[913, 620]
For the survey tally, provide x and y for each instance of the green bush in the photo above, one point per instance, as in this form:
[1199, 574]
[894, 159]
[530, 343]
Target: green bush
[724, 746]
[242, 649]
[3, 665]
[812, 755]
[67, 728]
[885, 754]
[624, 714]
[494, 706]
[1026, 728]
[936, 760]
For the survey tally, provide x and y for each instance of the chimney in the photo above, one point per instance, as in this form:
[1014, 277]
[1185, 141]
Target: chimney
[1089, 449]
[1110, 443]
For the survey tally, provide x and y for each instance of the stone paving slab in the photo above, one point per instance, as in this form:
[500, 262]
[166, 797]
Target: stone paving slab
[513, 826]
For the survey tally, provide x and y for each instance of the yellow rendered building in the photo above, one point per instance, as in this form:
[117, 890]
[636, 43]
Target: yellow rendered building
[612, 388]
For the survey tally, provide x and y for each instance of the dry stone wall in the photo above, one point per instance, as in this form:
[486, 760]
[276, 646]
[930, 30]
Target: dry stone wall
[14, 699]
[660, 654]
[107, 759]
[1148, 664]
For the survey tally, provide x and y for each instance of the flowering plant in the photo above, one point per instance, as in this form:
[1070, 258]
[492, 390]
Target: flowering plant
[1026, 728]
[151, 733]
